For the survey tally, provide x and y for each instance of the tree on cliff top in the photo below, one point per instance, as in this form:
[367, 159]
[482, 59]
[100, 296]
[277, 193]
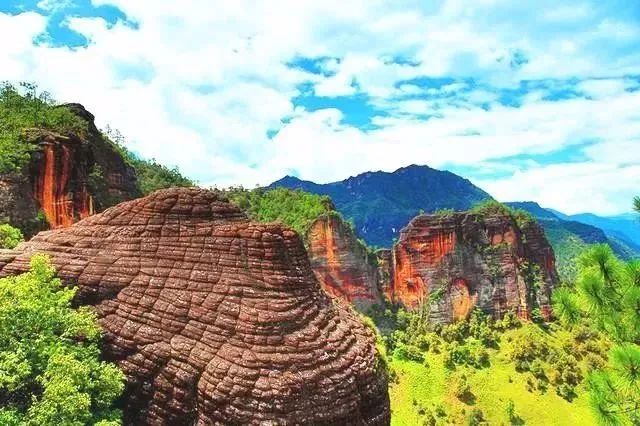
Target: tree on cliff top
[493, 207]
[25, 107]
[50, 367]
[295, 208]
[636, 204]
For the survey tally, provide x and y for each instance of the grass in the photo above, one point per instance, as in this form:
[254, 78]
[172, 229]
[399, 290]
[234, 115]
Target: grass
[419, 387]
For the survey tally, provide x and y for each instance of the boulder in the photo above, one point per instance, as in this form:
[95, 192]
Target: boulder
[214, 319]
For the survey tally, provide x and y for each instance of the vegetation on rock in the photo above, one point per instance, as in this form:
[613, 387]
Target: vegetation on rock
[23, 108]
[44, 145]
[50, 367]
[492, 207]
[295, 208]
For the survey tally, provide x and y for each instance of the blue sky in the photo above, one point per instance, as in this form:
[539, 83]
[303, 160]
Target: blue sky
[531, 100]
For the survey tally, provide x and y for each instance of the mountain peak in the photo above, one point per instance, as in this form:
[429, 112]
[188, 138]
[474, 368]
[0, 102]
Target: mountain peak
[381, 203]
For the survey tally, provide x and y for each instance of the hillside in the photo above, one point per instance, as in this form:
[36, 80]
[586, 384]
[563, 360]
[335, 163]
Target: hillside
[625, 227]
[430, 392]
[570, 237]
[57, 167]
[381, 203]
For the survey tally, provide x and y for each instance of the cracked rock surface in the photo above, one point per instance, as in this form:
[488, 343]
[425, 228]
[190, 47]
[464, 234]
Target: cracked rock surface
[214, 319]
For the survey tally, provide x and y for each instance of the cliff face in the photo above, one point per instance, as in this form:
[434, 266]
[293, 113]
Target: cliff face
[214, 319]
[60, 180]
[461, 261]
[341, 263]
[68, 178]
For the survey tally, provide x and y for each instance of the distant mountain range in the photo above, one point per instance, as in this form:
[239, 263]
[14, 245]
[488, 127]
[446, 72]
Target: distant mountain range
[380, 203]
[569, 235]
[626, 226]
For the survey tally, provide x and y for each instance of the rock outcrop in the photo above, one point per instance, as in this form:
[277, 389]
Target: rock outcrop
[214, 319]
[68, 178]
[342, 264]
[460, 261]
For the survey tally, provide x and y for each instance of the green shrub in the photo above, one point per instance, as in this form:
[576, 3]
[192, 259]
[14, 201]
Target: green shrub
[445, 213]
[408, 352]
[478, 354]
[509, 321]
[50, 368]
[529, 346]
[594, 362]
[476, 417]
[460, 385]
[428, 342]
[10, 236]
[481, 328]
[566, 370]
[566, 391]
[537, 369]
[456, 332]
[428, 418]
[491, 207]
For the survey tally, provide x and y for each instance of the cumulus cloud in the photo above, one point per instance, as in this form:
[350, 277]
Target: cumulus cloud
[210, 87]
[571, 188]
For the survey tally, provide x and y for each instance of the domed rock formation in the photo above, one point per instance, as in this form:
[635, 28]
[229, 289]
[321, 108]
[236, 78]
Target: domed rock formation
[460, 261]
[342, 264]
[214, 319]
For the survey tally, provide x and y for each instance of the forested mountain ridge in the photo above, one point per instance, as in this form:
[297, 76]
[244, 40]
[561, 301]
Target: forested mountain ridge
[380, 203]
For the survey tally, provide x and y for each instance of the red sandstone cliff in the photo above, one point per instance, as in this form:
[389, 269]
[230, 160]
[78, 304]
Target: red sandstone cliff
[461, 261]
[68, 178]
[341, 263]
[214, 319]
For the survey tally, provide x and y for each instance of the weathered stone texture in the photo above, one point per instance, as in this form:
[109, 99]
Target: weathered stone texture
[461, 261]
[214, 319]
[341, 263]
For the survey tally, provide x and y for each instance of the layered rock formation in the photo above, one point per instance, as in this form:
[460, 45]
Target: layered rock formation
[460, 261]
[341, 263]
[68, 178]
[214, 319]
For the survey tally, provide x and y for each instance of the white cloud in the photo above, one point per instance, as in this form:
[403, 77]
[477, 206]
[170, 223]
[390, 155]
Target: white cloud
[340, 84]
[54, 5]
[571, 188]
[201, 85]
[602, 88]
